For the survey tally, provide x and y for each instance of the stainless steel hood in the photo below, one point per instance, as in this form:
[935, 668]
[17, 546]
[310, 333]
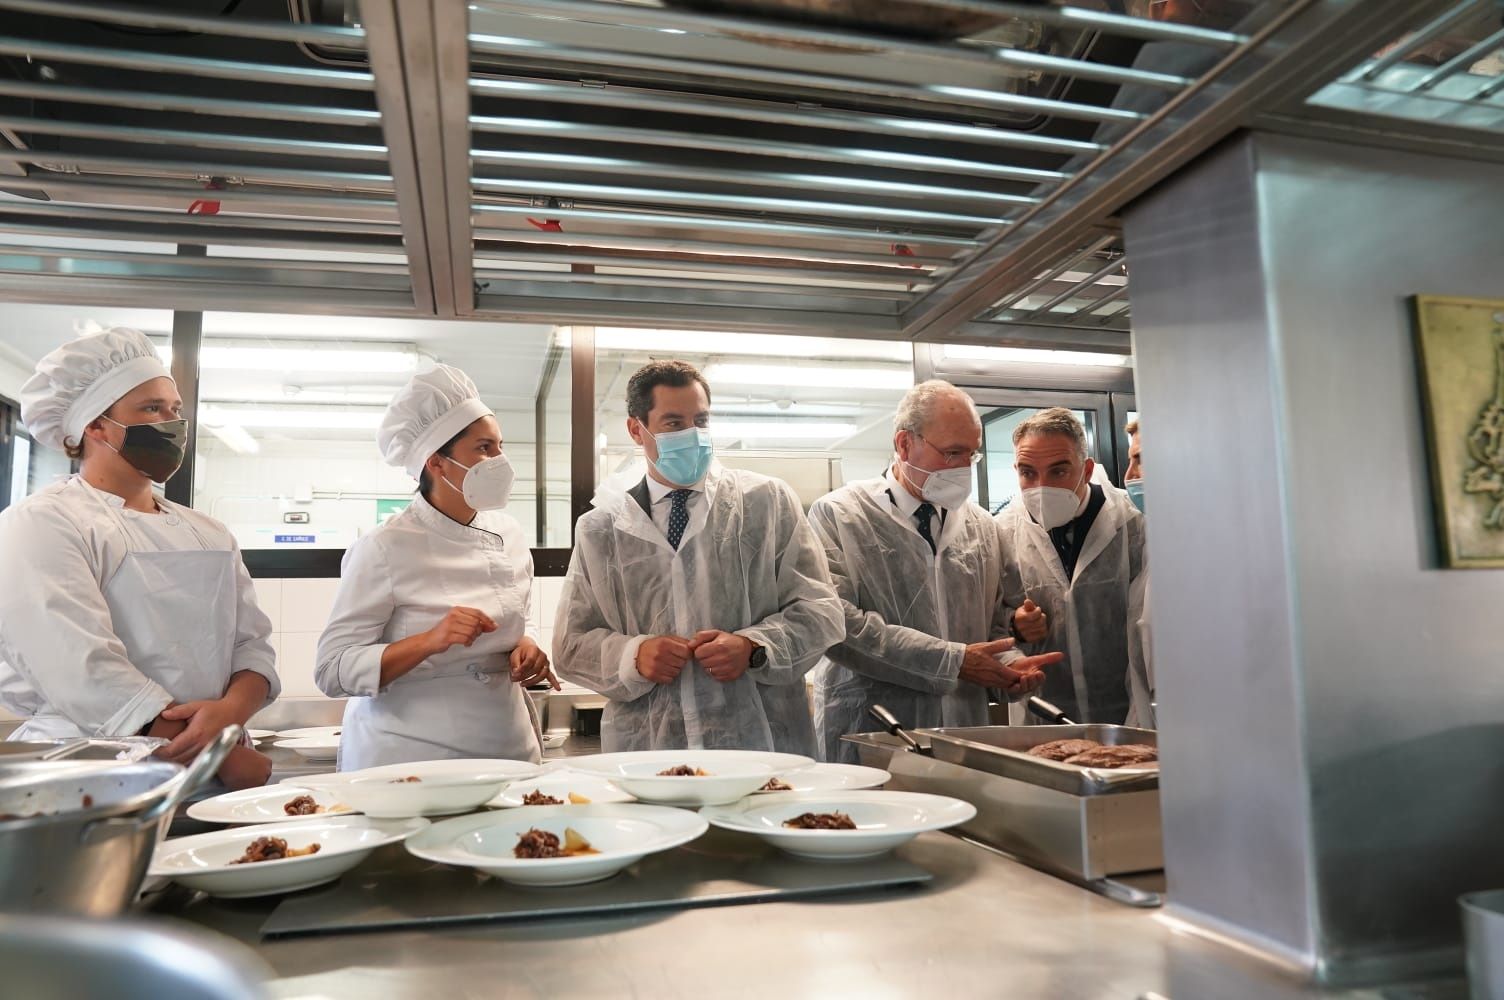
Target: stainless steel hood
[636, 162]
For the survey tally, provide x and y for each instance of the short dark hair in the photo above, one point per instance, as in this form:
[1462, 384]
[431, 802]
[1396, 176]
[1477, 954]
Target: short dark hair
[425, 481]
[675, 374]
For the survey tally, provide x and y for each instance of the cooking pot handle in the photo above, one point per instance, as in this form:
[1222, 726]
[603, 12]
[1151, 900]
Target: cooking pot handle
[172, 792]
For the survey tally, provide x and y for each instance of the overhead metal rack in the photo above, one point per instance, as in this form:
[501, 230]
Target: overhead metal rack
[633, 161]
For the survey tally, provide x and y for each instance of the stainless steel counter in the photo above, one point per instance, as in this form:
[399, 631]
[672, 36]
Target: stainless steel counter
[986, 927]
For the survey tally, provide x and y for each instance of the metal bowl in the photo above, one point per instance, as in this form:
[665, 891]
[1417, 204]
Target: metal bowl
[76, 838]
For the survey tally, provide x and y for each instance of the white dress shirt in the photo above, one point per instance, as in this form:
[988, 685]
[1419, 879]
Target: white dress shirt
[663, 503]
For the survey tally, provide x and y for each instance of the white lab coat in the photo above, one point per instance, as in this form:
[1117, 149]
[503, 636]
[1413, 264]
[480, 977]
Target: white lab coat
[107, 615]
[400, 580]
[910, 613]
[1091, 615]
[748, 563]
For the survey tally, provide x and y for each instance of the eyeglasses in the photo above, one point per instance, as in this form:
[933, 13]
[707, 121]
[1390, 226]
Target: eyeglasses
[954, 456]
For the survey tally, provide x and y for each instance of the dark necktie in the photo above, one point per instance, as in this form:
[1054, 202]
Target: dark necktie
[678, 516]
[924, 514]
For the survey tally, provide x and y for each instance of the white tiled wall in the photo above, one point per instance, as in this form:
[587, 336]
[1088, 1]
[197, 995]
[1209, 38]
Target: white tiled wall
[299, 608]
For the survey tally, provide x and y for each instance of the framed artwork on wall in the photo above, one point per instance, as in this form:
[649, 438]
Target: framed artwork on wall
[1460, 346]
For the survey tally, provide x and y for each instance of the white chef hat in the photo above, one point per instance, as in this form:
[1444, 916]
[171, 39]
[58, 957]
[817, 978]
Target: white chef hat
[76, 383]
[428, 411]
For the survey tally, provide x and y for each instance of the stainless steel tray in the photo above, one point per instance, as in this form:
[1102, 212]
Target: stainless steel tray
[1003, 750]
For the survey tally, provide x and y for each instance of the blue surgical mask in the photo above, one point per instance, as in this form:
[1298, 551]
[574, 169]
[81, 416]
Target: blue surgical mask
[684, 456]
[1135, 488]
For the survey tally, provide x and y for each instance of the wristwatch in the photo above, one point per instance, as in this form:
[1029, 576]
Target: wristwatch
[758, 659]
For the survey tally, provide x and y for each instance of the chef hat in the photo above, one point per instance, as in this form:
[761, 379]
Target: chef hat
[76, 383]
[428, 411]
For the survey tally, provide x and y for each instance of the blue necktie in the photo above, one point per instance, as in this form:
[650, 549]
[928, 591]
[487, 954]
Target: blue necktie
[678, 516]
[923, 514]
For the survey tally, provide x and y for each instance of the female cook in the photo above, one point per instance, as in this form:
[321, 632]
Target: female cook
[429, 634]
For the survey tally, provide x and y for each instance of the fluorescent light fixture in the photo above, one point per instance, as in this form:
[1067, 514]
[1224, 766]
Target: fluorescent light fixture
[1031, 356]
[810, 376]
[715, 342]
[289, 396]
[300, 356]
[329, 418]
[786, 430]
[235, 437]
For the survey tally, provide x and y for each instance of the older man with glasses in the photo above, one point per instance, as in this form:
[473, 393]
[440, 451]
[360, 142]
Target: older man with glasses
[918, 566]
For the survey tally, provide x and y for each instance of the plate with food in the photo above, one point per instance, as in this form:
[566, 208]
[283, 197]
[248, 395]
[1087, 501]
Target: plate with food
[840, 825]
[314, 748]
[690, 777]
[552, 741]
[308, 733]
[423, 788]
[276, 857]
[270, 804]
[826, 777]
[557, 845]
[560, 788]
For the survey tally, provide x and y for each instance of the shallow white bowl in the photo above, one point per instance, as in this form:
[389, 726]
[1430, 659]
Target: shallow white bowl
[832, 777]
[309, 732]
[265, 805]
[884, 820]
[320, 748]
[559, 784]
[552, 741]
[446, 786]
[731, 775]
[261, 734]
[623, 832]
[203, 862]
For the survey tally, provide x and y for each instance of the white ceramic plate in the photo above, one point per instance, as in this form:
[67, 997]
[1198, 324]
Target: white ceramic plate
[312, 732]
[884, 820]
[552, 741]
[265, 805]
[444, 786]
[203, 861]
[559, 784]
[622, 832]
[261, 734]
[731, 774]
[832, 777]
[322, 748]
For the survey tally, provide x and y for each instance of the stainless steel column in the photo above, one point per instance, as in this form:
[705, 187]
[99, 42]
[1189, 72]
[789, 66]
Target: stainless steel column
[1332, 702]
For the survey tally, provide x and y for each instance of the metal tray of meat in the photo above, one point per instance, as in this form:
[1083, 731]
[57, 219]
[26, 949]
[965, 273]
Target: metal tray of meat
[1003, 750]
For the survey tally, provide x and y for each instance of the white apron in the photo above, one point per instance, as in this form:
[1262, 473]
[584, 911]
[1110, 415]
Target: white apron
[175, 614]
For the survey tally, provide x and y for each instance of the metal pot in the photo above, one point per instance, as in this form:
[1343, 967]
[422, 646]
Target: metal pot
[83, 834]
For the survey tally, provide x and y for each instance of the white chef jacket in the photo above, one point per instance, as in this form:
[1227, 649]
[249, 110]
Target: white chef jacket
[66, 625]
[400, 580]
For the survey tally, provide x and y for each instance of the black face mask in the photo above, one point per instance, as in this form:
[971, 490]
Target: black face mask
[156, 450]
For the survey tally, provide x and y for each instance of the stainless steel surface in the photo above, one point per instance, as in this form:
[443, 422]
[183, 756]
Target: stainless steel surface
[1002, 750]
[976, 160]
[983, 925]
[1082, 836]
[719, 869]
[1483, 934]
[1281, 326]
[53, 958]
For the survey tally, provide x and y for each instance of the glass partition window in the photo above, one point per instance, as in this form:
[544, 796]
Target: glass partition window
[289, 407]
[814, 412]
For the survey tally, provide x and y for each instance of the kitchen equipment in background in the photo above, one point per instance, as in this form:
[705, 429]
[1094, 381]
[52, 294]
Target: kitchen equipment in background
[1087, 826]
[82, 834]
